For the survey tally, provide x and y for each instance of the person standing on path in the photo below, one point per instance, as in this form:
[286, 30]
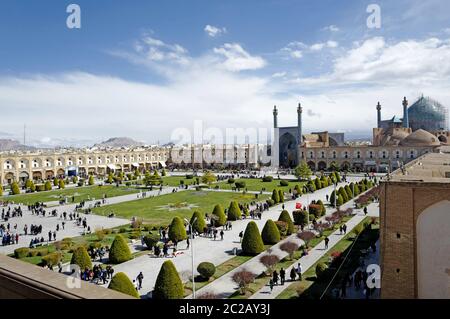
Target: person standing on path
[188, 243]
[344, 228]
[326, 240]
[241, 234]
[282, 276]
[299, 271]
[221, 235]
[293, 274]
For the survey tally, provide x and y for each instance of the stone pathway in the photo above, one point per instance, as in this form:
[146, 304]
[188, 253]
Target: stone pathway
[315, 254]
[225, 287]
[206, 249]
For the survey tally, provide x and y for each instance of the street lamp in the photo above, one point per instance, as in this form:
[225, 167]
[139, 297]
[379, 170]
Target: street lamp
[191, 231]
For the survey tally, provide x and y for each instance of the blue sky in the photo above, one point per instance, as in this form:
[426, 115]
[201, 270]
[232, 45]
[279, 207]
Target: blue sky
[147, 67]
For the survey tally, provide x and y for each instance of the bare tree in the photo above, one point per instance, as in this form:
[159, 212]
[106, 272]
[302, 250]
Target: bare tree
[306, 236]
[243, 278]
[269, 261]
[289, 247]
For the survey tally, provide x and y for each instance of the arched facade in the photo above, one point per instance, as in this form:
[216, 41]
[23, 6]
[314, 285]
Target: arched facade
[46, 166]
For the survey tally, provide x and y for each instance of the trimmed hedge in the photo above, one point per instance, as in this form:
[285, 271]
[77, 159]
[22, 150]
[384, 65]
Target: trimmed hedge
[221, 217]
[300, 217]
[267, 179]
[285, 217]
[121, 283]
[81, 258]
[270, 233]
[177, 230]
[21, 252]
[321, 269]
[200, 224]
[119, 251]
[151, 240]
[206, 270]
[234, 212]
[252, 243]
[168, 284]
[284, 183]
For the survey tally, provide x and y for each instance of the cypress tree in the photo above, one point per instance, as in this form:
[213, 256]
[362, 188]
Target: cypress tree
[234, 212]
[281, 195]
[270, 233]
[285, 217]
[121, 283]
[252, 243]
[177, 230]
[168, 283]
[15, 188]
[119, 251]
[275, 196]
[199, 224]
[220, 219]
[81, 258]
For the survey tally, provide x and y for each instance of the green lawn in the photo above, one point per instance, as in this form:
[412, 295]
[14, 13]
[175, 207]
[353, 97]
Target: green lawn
[175, 180]
[161, 209]
[256, 184]
[80, 193]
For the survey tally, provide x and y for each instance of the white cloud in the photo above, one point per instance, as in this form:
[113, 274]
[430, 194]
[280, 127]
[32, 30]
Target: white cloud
[331, 28]
[297, 54]
[237, 59]
[156, 50]
[279, 74]
[213, 31]
[320, 46]
[317, 46]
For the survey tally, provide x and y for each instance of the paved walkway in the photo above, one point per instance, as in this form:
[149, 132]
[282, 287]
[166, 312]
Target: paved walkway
[206, 249]
[315, 254]
[71, 230]
[225, 287]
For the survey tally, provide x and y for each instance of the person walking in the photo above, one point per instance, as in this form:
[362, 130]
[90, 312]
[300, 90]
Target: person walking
[188, 243]
[275, 277]
[344, 228]
[271, 285]
[282, 276]
[241, 234]
[139, 278]
[326, 240]
[221, 235]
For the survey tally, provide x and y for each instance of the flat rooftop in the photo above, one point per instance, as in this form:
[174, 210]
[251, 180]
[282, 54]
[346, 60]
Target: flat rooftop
[429, 168]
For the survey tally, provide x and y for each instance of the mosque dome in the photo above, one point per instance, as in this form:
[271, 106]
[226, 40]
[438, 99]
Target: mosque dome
[428, 114]
[420, 138]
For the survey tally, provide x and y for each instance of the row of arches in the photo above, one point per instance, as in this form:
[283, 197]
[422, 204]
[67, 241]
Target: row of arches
[50, 162]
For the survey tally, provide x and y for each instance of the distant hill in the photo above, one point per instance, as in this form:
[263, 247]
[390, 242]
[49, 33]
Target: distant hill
[119, 142]
[13, 145]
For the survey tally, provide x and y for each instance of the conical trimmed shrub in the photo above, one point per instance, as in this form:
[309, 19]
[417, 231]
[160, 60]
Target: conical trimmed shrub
[199, 224]
[15, 188]
[121, 283]
[168, 284]
[220, 217]
[234, 212]
[275, 196]
[252, 243]
[177, 230]
[119, 251]
[81, 258]
[281, 195]
[270, 233]
[285, 217]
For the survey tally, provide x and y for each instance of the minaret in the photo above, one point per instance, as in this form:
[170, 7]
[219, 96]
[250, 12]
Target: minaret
[405, 113]
[299, 124]
[275, 117]
[378, 115]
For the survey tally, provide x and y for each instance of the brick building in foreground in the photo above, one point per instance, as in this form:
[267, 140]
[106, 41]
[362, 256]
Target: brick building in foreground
[415, 229]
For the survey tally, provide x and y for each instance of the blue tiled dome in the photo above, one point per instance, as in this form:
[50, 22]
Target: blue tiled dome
[428, 114]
